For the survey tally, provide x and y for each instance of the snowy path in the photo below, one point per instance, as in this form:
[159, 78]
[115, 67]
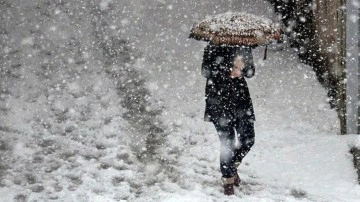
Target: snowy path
[298, 155]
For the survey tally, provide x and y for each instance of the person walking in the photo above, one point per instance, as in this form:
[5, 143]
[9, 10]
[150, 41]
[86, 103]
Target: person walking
[229, 106]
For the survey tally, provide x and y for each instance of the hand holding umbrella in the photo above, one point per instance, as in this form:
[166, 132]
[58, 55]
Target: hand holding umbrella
[238, 67]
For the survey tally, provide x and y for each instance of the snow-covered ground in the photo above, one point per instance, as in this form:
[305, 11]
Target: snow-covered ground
[80, 109]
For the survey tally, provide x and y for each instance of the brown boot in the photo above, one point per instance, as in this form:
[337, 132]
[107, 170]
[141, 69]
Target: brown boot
[237, 178]
[228, 184]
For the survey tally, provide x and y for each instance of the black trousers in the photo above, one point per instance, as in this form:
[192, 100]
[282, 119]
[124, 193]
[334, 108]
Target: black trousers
[236, 139]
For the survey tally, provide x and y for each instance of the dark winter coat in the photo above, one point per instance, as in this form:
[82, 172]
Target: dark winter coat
[227, 99]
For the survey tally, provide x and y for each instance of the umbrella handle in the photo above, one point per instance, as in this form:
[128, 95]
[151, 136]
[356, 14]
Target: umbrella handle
[265, 53]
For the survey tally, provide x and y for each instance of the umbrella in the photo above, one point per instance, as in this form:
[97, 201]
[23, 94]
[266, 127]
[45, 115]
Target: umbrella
[233, 28]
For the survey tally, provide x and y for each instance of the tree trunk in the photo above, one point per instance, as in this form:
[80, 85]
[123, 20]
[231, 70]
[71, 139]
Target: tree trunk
[316, 30]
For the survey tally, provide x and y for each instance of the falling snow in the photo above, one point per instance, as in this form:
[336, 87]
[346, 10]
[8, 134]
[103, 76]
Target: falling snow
[104, 101]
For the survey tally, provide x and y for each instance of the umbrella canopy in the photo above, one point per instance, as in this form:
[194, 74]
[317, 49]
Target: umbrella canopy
[236, 29]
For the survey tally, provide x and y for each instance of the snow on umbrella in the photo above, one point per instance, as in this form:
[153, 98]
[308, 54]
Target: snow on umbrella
[236, 29]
